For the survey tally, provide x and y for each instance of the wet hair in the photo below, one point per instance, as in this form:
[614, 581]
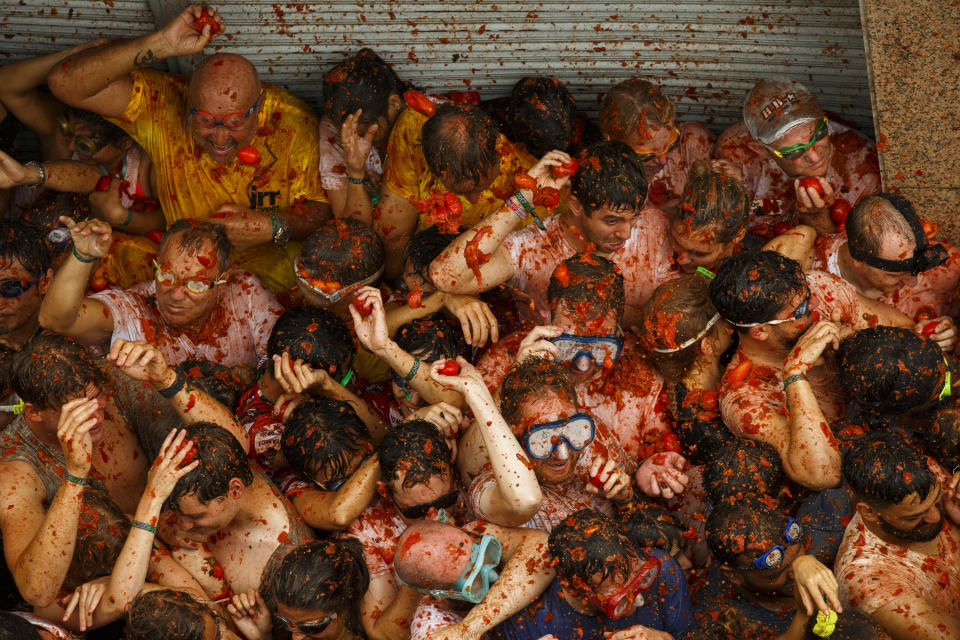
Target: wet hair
[699, 426]
[746, 528]
[744, 468]
[13, 627]
[166, 615]
[590, 286]
[102, 530]
[888, 371]
[875, 217]
[432, 337]
[51, 370]
[753, 286]
[343, 252]
[424, 247]
[99, 126]
[315, 335]
[543, 114]
[631, 105]
[324, 575]
[25, 243]
[534, 377]
[216, 380]
[852, 624]
[5, 354]
[882, 469]
[587, 542]
[713, 201]
[610, 175]
[221, 460]
[728, 625]
[940, 438]
[460, 140]
[417, 448]
[650, 526]
[323, 434]
[194, 234]
[678, 310]
[362, 81]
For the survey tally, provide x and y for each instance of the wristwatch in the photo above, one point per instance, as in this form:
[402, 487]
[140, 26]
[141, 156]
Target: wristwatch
[281, 230]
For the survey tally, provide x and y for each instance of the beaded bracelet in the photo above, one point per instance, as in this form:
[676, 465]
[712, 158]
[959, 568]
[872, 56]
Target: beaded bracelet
[79, 257]
[352, 180]
[74, 479]
[143, 525]
[413, 369]
[789, 380]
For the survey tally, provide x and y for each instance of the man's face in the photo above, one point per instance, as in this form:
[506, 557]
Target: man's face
[22, 310]
[179, 306]
[413, 280]
[608, 229]
[814, 162]
[318, 621]
[585, 369]
[423, 493]
[599, 589]
[221, 142]
[77, 139]
[787, 334]
[772, 582]
[698, 247]
[562, 465]
[200, 521]
[50, 418]
[471, 188]
[913, 519]
[658, 141]
[893, 247]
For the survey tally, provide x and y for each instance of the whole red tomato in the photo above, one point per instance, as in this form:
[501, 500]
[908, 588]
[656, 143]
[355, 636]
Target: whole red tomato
[812, 183]
[566, 169]
[452, 201]
[450, 368]
[206, 18]
[364, 309]
[248, 155]
[104, 183]
[930, 328]
[419, 103]
[839, 210]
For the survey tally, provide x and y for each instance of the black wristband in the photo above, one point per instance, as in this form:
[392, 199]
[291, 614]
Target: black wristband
[174, 389]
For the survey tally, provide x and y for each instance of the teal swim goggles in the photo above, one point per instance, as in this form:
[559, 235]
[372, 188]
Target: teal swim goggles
[477, 578]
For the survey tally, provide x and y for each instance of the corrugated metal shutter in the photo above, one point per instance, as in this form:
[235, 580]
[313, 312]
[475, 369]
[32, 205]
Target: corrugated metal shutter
[705, 54]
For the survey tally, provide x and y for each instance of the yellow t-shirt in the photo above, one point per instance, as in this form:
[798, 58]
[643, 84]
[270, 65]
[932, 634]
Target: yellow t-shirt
[191, 185]
[408, 175]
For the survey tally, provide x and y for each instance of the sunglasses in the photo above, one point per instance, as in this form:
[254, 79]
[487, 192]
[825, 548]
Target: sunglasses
[312, 628]
[193, 286]
[542, 440]
[336, 483]
[233, 121]
[594, 349]
[14, 288]
[802, 311]
[773, 557]
[646, 155]
[86, 145]
[417, 511]
[797, 151]
[616, 605]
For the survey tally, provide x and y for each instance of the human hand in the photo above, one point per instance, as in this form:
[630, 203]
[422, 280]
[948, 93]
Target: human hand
[77, 418]
[536, 343]
[941, 330]
[141, 361]
[371, 330]
[812, 344]
[12, 173]
[175, 460]
[727, 168]
[180, 37]
[542, 173]
[637, 632]
[446, 417]
[356, 148]
[245, 227]
[816, 585]
[250, 615]
[84, 601]
[476, 319]
[950, 499]
[468, 381]
[661, 475]
[810, 201]
[106, 206]
[608, 478]
[91, 238]
[296, 376]
[286, 404]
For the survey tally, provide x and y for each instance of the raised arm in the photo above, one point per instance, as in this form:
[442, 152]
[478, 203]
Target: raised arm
[59, 175]
[395, 221]
[334, 510]
[796, 244]
[99, 80]
[354, 201]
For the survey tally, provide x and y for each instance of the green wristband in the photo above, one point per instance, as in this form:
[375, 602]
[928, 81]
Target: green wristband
[143, 525]
[125, 223]
[83, 259]
[413, 369]
[74, 479]
[789, 380]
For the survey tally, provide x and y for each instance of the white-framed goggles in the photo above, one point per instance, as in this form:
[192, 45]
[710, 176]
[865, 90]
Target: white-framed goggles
[541, 440]
[596, 349]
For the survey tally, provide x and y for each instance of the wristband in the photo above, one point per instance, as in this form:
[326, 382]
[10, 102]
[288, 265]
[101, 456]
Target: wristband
[789, 380]
[175, 387]
[413, 369]
[74, 479]
[129, 219]
[516, 208]
[43, 174]
[82, 259]
[352, 180]
[524, 202]
[143, 525]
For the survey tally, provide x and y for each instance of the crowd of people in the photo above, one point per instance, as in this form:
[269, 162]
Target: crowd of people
[439, 367]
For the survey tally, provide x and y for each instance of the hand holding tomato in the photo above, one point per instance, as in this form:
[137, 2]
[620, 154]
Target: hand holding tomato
[181, 38]
[207, 18]
[813, 194]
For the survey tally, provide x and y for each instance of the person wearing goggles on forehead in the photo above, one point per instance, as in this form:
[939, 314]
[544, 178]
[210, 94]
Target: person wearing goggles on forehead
[785, 137]
[636, 112]
[228, 147]
[785, 321]
[195, 306]
[605, 586]
[764, 574]
[476, 576]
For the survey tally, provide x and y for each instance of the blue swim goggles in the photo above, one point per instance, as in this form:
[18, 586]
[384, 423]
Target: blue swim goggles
[773, 557]
[477, 578]
[541, 440]
[582, 351]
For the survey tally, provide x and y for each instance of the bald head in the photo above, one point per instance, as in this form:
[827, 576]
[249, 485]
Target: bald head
[225, 88]
[432, 555]
[225, 74]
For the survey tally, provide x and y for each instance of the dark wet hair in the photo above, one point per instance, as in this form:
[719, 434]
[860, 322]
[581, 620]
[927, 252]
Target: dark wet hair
[543, 114]
[417, 448]
[25, 243]
[342, 251]
[362, 81]
[739, 533]
[728, 625]
[715, 201]
[650, 526]
[323, 433]
[424, 247]
[590, 287]
[882, 469]
[196, 233]
[753, 286]
[852, 624]
[432, 337]
[324, 575]
[460, 140]
[610, 175]
[5, 354]
[630, 105]
[875, 216]
[699, 426]
[13, 627]
[221, 460]
[585, 541]
[50, 370]
[216, 380]
[744, 468]
[940, 438]
[102, 530]
[315, 335]
[534, 377]
[166, 615]
[99, 126]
